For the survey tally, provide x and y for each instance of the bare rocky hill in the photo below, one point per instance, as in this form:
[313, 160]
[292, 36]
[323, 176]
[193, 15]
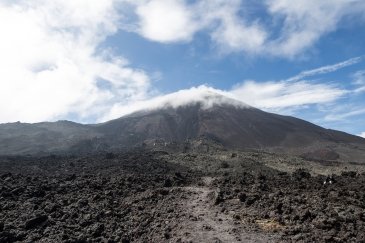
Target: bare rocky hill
[234, 127]
[229, 124]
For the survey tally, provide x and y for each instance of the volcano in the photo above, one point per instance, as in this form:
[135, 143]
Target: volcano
[208, 116]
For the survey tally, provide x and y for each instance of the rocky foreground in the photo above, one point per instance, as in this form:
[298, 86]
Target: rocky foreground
[143, 196]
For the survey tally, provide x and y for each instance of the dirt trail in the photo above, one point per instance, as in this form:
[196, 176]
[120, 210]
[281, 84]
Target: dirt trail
[208, 224]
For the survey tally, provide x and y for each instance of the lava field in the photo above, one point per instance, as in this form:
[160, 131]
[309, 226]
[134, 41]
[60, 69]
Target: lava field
[146, 196]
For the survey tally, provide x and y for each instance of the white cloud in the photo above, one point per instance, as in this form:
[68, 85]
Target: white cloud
[327, 69]
[344, 115]
[287, 96]
[300, 24]
[50, 66]
[305, 21]
[270, 96]
[234, 33]
[207, 96]
[362, 134]
[166, 21]
[169, 21]
[276, 96]
[359, 81]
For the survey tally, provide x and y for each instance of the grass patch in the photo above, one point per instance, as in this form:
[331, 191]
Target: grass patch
[269, 225]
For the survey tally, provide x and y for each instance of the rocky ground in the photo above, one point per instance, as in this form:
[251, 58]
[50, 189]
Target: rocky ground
[146, 196]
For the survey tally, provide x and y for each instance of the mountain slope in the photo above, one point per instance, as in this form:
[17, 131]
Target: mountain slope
[211, 117]
[45, 137]
[233, 127]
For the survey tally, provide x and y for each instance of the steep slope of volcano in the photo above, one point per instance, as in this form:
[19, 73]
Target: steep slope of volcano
[232, 126]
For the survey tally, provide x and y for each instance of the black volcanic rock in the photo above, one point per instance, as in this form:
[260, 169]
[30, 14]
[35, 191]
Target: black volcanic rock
[227, 123]
[36, 221]
[140, 196]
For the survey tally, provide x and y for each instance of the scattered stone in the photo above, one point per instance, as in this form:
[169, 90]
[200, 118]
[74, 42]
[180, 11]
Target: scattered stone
[97, 229]
[242, 197]
[168, 183]
[35, 222]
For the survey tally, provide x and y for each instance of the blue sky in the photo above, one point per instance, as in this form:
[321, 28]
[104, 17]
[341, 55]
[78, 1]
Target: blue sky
[90, 61]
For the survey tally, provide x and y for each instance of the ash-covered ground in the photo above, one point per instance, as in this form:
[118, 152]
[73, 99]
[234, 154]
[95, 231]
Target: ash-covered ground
[150, 196]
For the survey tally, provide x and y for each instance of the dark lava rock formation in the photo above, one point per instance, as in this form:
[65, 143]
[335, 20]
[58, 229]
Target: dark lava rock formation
[299, 206]
[146, 196]
[94, 199]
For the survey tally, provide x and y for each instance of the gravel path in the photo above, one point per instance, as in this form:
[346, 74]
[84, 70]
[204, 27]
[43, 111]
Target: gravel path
[208, 223]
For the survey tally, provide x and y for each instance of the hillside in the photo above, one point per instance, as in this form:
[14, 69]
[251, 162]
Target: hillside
[212, 118]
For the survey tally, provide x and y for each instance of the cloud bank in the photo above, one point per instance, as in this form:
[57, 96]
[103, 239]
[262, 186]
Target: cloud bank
[275, 96]
[269, 96]
[204, 95]
[295, 25]
[51, 65]
[285, 96]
